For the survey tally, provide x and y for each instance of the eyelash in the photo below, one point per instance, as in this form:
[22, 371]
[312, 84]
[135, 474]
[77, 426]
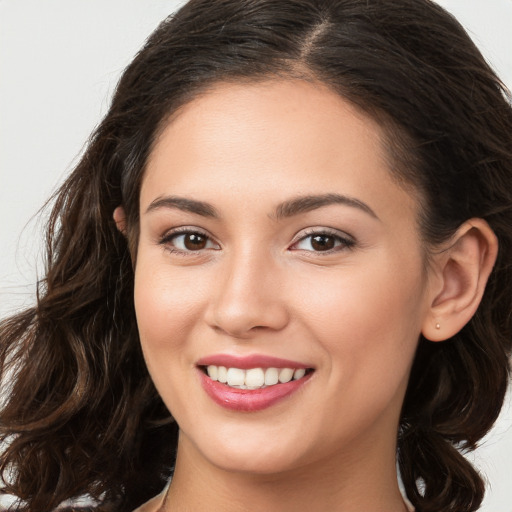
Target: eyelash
[343, 242]
[167, 239]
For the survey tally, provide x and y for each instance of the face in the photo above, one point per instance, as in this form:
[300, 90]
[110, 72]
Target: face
[275, 245]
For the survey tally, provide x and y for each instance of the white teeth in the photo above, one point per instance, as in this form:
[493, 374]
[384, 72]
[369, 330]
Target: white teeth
[298, 374]
[213, 372]
[236, 377]
[271, 376]
[285, 375]
[222, 375]
[253, 378]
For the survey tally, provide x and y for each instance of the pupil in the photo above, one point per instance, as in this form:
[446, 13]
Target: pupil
[193, 241]
[322, 242]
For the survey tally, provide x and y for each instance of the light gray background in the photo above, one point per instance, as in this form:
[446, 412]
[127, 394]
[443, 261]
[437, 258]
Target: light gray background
[59, 62]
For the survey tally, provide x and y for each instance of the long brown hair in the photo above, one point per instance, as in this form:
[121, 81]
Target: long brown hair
[82, 415]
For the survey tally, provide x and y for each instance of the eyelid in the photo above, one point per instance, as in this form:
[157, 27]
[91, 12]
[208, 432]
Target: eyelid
[348, 241]
[183, 230]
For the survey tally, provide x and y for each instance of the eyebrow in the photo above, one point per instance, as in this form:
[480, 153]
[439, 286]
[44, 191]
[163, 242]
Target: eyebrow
[308, 203]
[289, 208]
[187, 205]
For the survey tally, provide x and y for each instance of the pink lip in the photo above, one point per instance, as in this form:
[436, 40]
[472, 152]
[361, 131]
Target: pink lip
[249, 400]
[247, 362]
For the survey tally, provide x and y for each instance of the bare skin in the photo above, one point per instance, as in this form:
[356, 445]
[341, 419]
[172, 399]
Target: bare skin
[229, 263]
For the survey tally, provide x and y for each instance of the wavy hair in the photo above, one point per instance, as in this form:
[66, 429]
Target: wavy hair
[83, 416]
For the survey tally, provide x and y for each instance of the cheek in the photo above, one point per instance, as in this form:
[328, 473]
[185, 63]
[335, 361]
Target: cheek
[368, 327]
[164, 300]
[370, 317]
[166, 309]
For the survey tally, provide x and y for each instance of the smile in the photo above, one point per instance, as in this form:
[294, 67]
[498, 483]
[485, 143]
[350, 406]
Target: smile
[253, 378]
[251, 383]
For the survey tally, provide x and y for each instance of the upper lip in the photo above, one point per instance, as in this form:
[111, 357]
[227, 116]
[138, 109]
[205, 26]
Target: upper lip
[250, 361]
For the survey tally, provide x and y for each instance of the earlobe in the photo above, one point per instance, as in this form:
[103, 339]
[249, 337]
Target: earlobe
[120, 219]
[462, 271]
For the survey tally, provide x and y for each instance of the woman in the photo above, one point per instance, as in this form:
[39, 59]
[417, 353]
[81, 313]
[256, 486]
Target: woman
[292, 232]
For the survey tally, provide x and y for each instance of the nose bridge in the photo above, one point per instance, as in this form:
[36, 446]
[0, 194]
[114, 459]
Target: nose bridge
[248, 294]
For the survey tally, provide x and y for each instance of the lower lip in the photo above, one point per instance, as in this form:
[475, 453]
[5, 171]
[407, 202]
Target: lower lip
[249, 400]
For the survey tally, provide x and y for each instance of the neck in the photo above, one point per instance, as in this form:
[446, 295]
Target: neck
[348, 482]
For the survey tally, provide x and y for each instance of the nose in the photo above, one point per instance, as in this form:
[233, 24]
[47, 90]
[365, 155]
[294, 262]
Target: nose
[248, 297]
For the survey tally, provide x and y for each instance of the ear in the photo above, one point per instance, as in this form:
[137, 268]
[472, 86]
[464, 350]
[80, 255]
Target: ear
[120, 219]
[460, 274]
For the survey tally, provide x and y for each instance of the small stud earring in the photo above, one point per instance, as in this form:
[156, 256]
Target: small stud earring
[438, 326]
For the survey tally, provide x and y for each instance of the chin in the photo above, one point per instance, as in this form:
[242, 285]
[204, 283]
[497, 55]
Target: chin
[250, 453]
[257, 466]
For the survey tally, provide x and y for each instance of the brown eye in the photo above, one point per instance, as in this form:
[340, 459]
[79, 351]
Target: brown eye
[194, 241]
[189, 241]
[322, 242]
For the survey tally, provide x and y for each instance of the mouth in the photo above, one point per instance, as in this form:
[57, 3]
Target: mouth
[253, 378]
[251, 383]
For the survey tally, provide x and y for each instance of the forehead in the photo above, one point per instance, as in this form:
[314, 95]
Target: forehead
[268, 140]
